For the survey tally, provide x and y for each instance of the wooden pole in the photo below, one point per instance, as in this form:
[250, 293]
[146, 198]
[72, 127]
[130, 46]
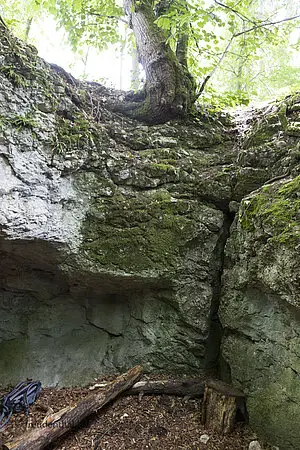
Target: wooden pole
[60, 423]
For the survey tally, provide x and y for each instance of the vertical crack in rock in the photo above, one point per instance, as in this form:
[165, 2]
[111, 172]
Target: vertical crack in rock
[214, 360]
[259, 307]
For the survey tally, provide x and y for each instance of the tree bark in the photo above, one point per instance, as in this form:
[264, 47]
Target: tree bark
[135, 71]
[28, 27]
[68, 418]
[185, 388]
[181, 49]
[170, 90]
[183, 39]
[221, 405]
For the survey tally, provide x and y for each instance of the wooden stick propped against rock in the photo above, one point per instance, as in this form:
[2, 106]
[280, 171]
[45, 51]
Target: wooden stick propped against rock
[70, 417]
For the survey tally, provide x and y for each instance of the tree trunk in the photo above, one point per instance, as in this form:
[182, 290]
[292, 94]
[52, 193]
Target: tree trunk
[28, 28]
[186, 388]
[222, 404]
[170, 90]
[122, 49]
[135, 71]
[68, 418]
[183, 39]
[181, 49]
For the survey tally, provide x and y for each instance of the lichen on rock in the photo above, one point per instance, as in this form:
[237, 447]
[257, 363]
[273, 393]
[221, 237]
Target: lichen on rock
[112, 237]
[275, 210]
[260, 308]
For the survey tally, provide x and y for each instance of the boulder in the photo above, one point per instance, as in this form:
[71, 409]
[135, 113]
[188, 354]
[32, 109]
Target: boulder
[260, 309]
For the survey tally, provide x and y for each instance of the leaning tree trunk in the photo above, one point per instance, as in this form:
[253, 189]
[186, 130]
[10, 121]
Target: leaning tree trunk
[169, 91]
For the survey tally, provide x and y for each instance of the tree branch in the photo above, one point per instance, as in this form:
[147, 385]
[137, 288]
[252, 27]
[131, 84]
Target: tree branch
[207, 78]
[70, 417]
[108, 17]
[266, 24]
[261, 25]
[240, 15]
[194, 37]
[3, 23]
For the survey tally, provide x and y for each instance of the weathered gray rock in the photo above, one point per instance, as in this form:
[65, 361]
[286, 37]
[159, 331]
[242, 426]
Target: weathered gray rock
[112, 238]
[254, 445]
[111, 232]
[260, 309]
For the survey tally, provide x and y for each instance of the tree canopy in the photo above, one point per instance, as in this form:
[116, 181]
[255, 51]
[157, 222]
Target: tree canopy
[225, 52]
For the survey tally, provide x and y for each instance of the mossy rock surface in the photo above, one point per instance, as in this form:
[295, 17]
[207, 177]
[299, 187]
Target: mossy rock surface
[276, 211]
[260, 309]
[112, 236]
[111, 227]
[144, 233]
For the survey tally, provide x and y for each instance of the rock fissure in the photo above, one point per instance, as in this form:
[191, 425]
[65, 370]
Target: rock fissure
[175, 246]
[112, 335]
[259, 295]
[296, 372]
[216, 332]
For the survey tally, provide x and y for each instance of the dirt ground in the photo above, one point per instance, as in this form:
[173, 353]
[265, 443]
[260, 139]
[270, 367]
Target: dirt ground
[131, 422]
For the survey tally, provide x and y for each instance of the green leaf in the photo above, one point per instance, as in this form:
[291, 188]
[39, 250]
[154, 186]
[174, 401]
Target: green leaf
[77, 4]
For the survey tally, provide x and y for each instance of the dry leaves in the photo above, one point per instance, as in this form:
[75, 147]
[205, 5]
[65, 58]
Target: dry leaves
[131, 423]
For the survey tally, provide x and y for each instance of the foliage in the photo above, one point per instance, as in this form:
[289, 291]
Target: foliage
[228, 42]
[87, 22]
[18, 15]
[23, 121]
[237, 51]
[17, 79]
[19, 121]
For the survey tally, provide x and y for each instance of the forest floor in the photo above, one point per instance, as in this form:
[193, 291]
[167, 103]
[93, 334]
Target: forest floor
[131, 422]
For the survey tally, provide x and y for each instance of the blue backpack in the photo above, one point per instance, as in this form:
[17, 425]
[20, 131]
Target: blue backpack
[20, 398]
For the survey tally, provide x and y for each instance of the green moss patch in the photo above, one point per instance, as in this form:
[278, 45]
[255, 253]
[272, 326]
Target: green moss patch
[144, 233]
[73, 134]
[19, 121]
[11, 73]
[275, 209]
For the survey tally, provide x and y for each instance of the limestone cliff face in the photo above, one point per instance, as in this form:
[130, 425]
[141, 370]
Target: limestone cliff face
[111, 231]
[112, 237]
[260, 309]
[260, 300]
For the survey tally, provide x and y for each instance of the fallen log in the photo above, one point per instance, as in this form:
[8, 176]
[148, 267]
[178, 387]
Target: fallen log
[62, 422]
[192, 387]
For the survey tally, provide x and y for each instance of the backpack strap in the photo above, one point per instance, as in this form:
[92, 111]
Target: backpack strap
[6, 421]
[21, 397]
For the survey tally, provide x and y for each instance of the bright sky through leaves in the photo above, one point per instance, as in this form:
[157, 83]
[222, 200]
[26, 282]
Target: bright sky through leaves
[258, 65]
